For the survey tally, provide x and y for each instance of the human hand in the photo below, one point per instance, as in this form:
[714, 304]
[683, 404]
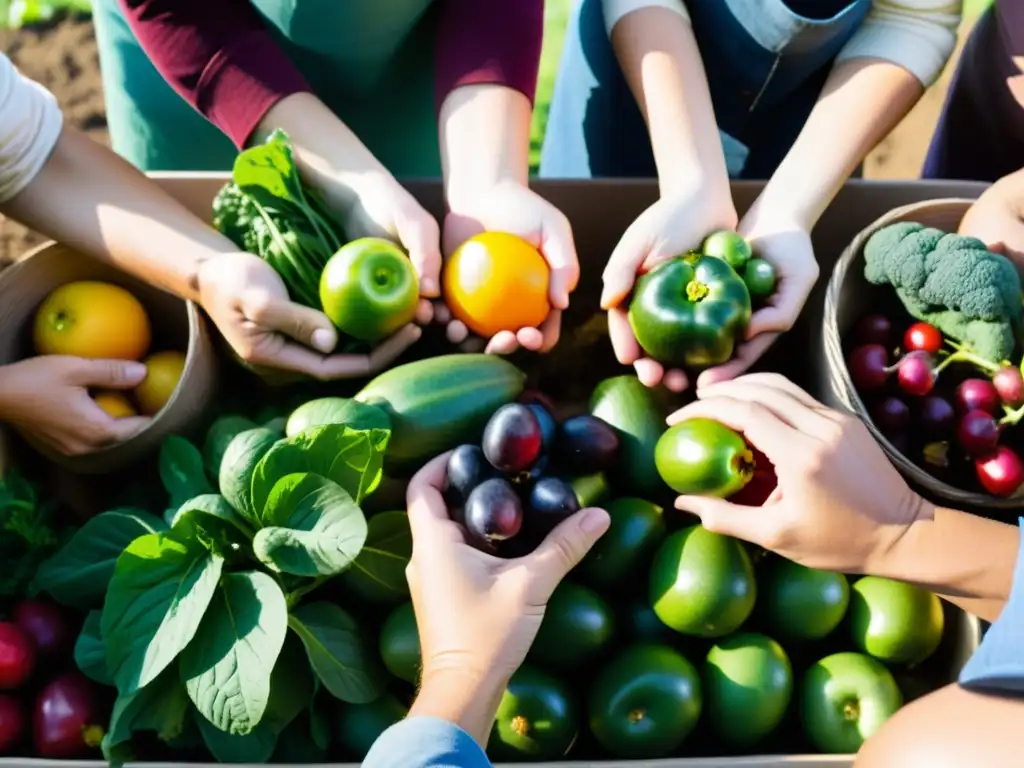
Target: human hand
[996, 218]
[670, 227]
[839, 504]
[249, 303]
[47, 398]
[516, 209]
[478, 614]
[787, 246]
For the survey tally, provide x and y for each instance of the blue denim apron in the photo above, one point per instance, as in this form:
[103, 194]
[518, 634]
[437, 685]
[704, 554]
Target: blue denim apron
[374, 68]
[765, 62]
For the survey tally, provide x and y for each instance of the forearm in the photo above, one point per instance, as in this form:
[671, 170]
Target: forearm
[659, 57]
[90, 199]
[968, 560]
[861, 102]
[462, 698]
[485, 139]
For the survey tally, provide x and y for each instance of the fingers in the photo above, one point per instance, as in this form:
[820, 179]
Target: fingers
[620, 272]
[551, 331]
[748, 523]
[676, 380]
[774, 380]
[442, 314]
[424, 312]
[566, 546]
[304, 324]
[502, 343]
[423, 498]
[557, 245]
[122, 429]
[746, 355]
[785, 305]
[108, 374]
[531, 338]
[624, 343]
[784, 405]
[649, 372]
[421, 237]
[769, 433]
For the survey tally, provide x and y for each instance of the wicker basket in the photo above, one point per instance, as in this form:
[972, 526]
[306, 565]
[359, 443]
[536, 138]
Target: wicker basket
[176, 325]
[846, 299]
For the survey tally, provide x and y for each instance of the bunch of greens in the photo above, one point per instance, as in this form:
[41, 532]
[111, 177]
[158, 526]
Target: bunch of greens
[267, 210]
[27, 535]
[203, 621]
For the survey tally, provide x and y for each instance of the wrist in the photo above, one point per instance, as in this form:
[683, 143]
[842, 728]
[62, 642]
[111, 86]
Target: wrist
[464, 696]
[897, 544]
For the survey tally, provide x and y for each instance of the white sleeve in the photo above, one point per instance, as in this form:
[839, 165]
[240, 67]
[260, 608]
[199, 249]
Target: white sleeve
[614, 10]
[918, 35]
[30, 124]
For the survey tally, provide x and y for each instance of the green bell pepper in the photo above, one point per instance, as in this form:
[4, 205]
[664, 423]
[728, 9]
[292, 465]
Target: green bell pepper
[690, 311]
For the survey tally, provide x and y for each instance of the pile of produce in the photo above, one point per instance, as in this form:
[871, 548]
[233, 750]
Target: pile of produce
[692, 310]
[940, 373]
[98, 320]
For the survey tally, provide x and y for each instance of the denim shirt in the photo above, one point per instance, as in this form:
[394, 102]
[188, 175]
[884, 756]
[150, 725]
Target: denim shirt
[998, 665]
[425, 742]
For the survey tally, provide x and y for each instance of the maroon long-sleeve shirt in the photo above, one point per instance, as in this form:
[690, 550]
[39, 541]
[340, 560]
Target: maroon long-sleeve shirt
[220, 56]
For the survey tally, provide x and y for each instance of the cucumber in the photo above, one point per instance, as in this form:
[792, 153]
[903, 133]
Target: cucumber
[441, 402]
[631, 408]
[336, 410]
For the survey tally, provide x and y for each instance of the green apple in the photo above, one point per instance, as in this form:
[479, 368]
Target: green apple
[896, 622]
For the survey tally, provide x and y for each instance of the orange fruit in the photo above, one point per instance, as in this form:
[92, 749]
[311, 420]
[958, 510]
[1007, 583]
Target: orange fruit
[497, 282]
[92, 319]
[163, 371]
[115, 404]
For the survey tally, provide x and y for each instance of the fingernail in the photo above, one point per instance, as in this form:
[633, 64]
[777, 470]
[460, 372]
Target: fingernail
[595, 521]
[428, 286]
[135, 370]
[323, 340]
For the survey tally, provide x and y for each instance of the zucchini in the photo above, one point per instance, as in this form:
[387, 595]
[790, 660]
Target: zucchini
[336, 410]
[441, 402]
[631, 408]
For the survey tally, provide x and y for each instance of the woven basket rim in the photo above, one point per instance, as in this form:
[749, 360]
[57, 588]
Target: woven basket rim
[836, 361]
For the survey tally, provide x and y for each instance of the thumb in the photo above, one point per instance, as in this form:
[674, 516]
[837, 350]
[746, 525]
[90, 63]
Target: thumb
[421, 237]
[720, 516]
[108, 374]
[566, 545]
[122, 429]
[304, 324]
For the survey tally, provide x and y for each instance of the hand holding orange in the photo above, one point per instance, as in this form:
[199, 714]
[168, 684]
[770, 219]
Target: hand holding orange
[115, 404]
[497, 282]
[163, 371]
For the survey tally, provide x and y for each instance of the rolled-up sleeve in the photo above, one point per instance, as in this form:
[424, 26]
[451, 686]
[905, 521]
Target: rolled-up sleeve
[493, 42]
[425, 742]
[30, 125]
[614, 10]
[918, 35]
[998, 665]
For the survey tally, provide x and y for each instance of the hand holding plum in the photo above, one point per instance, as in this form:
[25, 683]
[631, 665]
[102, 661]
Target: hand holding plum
[672, 226]
[478, 614]
[514, 209]
[839, 504]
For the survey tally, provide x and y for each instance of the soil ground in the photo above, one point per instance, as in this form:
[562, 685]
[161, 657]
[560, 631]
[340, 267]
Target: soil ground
[63, 57]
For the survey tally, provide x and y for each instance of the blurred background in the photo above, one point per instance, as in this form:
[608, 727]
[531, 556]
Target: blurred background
[53, 42]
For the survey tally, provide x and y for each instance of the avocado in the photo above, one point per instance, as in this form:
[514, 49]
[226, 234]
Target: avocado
[800, 604]
[578, 624]
[537, 718]
[400, 644]
[637, 528]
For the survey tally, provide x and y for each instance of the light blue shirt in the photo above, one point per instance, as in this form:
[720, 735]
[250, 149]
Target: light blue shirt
[998, 665]
[425, 742]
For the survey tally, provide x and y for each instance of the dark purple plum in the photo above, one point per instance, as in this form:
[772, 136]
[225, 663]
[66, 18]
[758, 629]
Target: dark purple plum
[869, 367]
[512, 438]
[548, 425]
[977, 395]
[586, 444]
[493, 512]
[552, 500]
[467, 468]
[936, 416]
[873, 329]
[978, 433]
[525, 479]
[891, 415]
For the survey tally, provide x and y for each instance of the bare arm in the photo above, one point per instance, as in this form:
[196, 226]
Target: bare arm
[462, 699]
[658, 54]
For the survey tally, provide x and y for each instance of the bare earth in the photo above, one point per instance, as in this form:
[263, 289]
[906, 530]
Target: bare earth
[63, 57]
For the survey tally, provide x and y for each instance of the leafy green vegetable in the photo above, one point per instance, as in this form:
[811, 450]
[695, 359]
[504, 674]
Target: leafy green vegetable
[211, 520]
[378, 574]
[181, 470]
[27, 535]
[254, 747]
[219, 437]
[240, 460]
[79, 573]
[291, 685]
[267, 210]
[314, 527]
[161, 707]
[91, 652]
[338, 652]
[157, 597]
[227, 666]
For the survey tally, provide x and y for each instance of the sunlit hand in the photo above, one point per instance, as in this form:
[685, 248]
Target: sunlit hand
[788, 248]
[996, 218]
[47, 398]
[516, 209]
[249, 303]
[378, 206]
[478, 614]
[670, 227]
[839, 504]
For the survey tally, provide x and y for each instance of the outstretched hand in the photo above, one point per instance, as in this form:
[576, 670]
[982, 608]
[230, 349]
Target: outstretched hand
[839, 504]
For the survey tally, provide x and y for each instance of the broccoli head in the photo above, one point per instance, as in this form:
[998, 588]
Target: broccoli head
[951, 281]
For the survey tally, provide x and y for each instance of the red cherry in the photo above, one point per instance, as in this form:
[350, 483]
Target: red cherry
[1009, 384]
[977, 395]
[915, 374]
[922, 337]
[17, 656]
[1000, 472]
[977, 433]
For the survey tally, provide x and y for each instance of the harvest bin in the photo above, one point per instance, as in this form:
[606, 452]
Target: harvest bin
[600, 212]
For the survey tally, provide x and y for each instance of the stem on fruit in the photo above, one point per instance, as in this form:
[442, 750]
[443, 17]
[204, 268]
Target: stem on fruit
[1012, 417]
[963, 355]
[695, 290]
[851, 710]
[636, 715]
[520, 725]
[93, 735]
[745, 464]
